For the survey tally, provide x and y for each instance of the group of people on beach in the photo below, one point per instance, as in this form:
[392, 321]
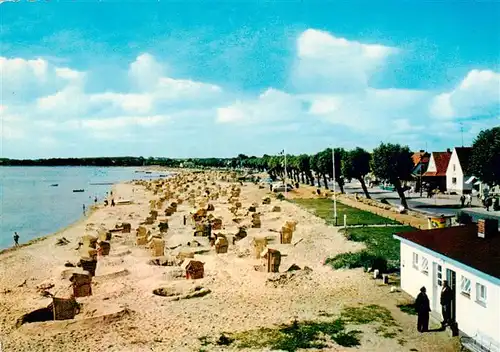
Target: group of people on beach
[105, 202]
[423, 307]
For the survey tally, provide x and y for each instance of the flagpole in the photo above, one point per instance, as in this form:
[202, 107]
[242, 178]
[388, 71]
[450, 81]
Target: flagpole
[334, 188]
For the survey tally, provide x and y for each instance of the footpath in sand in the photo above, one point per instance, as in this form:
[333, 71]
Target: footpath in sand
[123, 313]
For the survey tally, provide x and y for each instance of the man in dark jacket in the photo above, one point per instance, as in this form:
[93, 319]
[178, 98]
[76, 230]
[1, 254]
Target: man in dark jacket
[446, 299]
[422, 305]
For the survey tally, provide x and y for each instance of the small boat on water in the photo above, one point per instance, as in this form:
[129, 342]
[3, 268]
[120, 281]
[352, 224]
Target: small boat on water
[78, 190]
[54, 185]
[148, 172]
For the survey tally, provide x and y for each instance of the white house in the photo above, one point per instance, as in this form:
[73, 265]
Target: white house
[456, 173]
[435, 175]
[469, 262]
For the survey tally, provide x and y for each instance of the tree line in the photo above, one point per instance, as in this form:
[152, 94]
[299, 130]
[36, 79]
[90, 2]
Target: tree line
[388, 162]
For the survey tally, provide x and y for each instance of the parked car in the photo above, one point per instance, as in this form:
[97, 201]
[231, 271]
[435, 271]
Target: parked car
[281, 188]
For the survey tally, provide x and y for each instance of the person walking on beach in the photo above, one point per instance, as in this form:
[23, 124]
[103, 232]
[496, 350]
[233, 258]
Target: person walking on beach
[84, 210]
[112, 202]
[423, 307]
[16, 239]
[95, 200]
[445, 300]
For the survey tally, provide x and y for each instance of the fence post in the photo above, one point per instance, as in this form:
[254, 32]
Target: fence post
[345, 221]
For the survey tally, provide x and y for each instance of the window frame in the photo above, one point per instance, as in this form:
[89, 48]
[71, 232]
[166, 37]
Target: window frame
[454, 180]
[424, 269]
[462, 286]
[479, 298]
[439, 275]
[415, 260]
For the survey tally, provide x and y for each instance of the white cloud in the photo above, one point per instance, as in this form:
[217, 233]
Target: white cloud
[326, 63]
[8, 133]
[123, 122]
[69, 74]
[477, 94]
[130, 103]
[271, 106]
[145, 72]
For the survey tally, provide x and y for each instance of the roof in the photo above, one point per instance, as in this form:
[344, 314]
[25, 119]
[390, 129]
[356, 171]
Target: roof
[420, 157]
[464, 154]
[462, 244]
[419, 168]
[441, 159]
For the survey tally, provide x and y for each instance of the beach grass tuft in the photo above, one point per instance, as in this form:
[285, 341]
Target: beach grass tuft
[382, 250]
[314, 334]
[408, 308]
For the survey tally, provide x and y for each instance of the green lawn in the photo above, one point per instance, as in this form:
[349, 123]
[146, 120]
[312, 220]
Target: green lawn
[323, 208]
[382, 250]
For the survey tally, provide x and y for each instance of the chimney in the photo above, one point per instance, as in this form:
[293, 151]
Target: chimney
[487, 228]
[448, 150]
[421, 150]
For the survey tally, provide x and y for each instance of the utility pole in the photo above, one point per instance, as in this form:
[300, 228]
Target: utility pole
[334, 189]
[462, 132]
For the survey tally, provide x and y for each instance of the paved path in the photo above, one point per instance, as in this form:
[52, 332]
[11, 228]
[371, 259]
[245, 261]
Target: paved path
[426, 205]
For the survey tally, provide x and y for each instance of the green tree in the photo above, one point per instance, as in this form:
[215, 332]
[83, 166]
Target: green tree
[325, 164]
[340, 154]
[356, 164]
[305, 168]
[485, 158]
[393, 163]
[314, 162]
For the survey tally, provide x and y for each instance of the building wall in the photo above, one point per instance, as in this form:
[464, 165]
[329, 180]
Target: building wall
[471, 316]
[459, 186]
[432, 165]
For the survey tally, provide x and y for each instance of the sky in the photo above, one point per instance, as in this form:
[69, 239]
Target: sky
[219, 78]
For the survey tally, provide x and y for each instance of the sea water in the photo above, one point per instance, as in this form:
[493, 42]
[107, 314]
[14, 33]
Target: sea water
[30, 205]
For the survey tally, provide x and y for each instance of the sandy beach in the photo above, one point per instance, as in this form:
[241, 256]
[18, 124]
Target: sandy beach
[123, 314]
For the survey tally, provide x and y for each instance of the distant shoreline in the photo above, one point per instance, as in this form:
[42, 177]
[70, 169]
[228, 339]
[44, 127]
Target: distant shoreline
[91, 208]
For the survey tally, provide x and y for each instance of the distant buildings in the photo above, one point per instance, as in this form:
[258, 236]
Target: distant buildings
[435, 176]
[456, 173]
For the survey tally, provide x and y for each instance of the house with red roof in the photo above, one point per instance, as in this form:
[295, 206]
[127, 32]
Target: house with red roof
[435, 176]
[457, 171]
[420, 161]
[468, 257]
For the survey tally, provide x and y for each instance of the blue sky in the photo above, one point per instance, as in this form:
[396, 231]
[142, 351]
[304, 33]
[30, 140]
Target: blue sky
[206, 78]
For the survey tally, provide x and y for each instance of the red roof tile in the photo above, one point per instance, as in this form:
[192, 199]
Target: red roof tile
[442, 159]
[462, 244]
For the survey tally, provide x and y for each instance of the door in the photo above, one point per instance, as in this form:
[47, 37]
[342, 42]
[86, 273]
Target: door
[451, 277]
[437, 283]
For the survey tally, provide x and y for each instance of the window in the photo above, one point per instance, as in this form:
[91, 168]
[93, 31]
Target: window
[439, 275]
[454, 167]
[480, 293]
[454, 180]
[424, 266]
[415, 260]
[465, 286]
